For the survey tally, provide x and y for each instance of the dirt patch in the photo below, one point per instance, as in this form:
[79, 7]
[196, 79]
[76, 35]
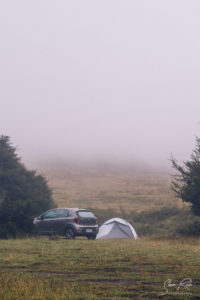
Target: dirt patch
[108, 269]
[12, 267]
[47, 274]
[111, 281]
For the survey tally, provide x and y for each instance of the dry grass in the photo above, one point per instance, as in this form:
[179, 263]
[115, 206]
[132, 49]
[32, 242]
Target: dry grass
[96, 188]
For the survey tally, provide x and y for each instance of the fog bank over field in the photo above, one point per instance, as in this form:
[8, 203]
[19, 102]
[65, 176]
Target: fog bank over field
[82, 165]
[109, 82]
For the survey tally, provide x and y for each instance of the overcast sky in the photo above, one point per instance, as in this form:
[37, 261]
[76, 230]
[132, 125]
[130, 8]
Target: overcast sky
[114, 80]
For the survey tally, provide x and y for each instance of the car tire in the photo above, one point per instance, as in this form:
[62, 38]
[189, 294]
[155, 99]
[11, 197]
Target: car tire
[69, 234]
[91, 237]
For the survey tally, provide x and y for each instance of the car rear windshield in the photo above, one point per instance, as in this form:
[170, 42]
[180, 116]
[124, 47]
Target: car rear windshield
[85, 214]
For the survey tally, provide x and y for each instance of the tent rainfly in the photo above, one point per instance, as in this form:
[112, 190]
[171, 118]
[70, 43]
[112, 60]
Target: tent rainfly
[116, 229]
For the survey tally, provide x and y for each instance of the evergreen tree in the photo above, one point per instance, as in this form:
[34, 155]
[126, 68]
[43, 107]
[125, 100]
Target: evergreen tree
[186, 183]
[23, 193]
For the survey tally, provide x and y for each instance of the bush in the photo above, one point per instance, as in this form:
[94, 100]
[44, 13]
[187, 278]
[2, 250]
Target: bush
[167, 222]
[190, 227]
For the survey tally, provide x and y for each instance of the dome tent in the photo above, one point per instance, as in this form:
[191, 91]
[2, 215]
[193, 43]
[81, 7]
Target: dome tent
[116, 229]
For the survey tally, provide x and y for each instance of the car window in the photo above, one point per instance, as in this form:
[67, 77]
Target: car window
[63, 213]
[50, 214]
[85, 214]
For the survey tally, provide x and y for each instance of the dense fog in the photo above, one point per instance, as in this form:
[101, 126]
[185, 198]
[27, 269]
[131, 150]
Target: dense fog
[100, 81]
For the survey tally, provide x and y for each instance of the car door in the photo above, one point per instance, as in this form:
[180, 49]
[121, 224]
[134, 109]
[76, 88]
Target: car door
[46, 222]
[61, 220]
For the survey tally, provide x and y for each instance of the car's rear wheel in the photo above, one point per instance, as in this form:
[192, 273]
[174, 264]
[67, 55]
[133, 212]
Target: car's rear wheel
[91, 237]
[69, 234]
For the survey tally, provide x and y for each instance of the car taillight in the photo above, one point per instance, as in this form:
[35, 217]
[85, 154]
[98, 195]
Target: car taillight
[76, 220]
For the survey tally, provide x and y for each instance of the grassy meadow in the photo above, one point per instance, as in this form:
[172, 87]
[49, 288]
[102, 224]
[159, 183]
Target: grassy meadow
[41, 268]
[152, 267]
[110, 188]
[144, 198]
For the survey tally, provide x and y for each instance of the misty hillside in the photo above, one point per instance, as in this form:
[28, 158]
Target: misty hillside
[109, 187]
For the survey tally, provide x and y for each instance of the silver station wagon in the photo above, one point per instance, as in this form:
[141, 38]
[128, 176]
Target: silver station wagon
[69, 222]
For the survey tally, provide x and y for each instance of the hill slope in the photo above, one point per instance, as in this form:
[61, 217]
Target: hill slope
[110, 188]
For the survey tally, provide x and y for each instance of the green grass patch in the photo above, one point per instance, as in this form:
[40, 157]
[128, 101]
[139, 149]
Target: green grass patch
[40, 268]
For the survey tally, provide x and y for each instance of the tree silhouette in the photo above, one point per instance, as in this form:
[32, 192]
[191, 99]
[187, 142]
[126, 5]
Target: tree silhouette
[23, 193]
[186, 183]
